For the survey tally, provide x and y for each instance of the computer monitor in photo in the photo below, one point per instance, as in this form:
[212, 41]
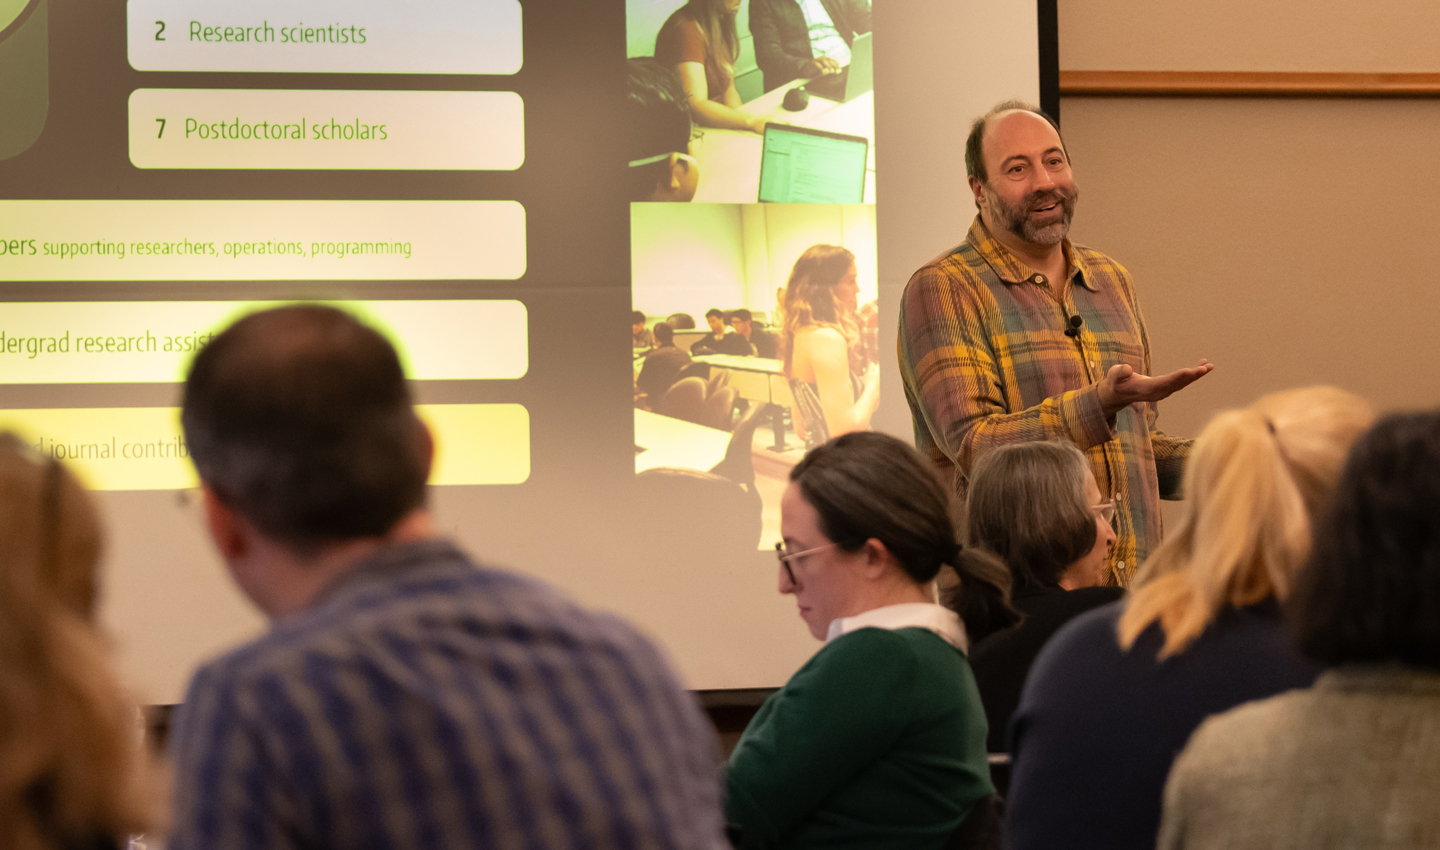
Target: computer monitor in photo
[804, 166]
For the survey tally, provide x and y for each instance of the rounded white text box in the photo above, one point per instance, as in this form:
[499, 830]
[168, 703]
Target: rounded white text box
[310, 129]
[262, 240]
[326, 36]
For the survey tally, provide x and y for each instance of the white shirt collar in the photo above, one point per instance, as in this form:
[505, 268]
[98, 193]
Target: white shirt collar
[907, 615]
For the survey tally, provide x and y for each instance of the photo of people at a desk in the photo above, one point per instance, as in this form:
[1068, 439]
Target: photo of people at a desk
[782, 356]
[745, 101]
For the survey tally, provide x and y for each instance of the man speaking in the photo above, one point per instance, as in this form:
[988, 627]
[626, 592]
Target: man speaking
[1017, 334]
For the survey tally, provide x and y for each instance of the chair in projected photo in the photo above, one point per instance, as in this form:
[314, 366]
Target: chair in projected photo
[693, 400]
[684, 400]
[720, 409]
[739, 462]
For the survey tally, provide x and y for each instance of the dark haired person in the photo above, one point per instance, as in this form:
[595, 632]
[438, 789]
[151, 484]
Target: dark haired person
[879, 740]
[805, 38]
[700, 43]
[1114, 695]
[640, 334]
[721, 339]
[662, 365]
[403, 697]
[1037, 508]
[1017, 334]
[1355, 760]
[761, 340]
[657, 115]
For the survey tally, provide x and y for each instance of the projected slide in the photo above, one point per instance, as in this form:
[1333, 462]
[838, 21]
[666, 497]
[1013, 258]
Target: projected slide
[772, 260]
[114, 272]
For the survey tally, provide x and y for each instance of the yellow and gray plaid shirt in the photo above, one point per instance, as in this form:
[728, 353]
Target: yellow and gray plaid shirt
[985, 361]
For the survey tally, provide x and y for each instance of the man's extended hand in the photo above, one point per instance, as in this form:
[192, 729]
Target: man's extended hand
[1122, 386]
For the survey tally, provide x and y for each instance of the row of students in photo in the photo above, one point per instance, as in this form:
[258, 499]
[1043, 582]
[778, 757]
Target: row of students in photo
[738, 332]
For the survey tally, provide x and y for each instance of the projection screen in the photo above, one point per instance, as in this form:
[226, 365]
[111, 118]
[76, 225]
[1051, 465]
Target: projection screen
[461, 175]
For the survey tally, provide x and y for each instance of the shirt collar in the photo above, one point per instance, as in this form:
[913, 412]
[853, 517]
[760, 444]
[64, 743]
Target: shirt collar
[388, 562]
[1010, 268]
[907, 615]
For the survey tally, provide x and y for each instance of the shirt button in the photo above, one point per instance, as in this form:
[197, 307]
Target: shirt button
[1120, 565]
[1039, 278]
[1119, 497]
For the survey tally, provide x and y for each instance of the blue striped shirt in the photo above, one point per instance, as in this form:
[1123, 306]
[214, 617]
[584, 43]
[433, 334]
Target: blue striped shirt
[425, 703]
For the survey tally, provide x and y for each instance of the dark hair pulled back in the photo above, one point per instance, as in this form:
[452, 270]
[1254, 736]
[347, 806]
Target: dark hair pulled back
[869, 485]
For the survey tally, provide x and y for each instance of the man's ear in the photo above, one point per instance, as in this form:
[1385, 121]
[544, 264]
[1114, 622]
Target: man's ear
[226, 527]
[978, 189]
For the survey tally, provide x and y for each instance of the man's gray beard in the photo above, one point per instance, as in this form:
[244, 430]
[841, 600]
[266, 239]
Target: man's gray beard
[1017, 219]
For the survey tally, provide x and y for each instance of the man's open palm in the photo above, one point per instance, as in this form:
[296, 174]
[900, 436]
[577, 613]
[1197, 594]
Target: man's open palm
[1123, 386]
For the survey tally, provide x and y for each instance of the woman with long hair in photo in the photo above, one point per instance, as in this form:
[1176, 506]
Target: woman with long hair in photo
[72, 774]
[1352, 761]
[879, 740]
[836, 390]
[700, 42]
[1116, 693]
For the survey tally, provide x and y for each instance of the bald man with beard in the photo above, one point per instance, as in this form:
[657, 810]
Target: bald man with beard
[1017, 334]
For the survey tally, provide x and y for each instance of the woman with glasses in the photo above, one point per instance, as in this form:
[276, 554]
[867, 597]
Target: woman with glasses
[70, 760]
[1116, 693]
[1037, 507]
[879, 740]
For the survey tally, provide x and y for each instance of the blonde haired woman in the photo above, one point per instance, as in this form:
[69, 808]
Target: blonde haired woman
[836, 391]
[70, 760]
[1114, 696]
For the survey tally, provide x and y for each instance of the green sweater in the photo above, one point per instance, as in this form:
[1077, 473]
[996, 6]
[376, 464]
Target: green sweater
[878, 741]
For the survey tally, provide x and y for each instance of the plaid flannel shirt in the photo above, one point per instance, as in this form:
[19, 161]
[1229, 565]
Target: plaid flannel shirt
[985, 361]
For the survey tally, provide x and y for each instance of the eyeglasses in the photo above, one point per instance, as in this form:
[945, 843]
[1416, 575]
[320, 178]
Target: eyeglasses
[1105, 510]
[786, 557]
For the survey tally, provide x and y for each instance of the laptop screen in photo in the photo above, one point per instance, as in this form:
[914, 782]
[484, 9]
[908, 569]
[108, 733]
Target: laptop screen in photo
[803, 166]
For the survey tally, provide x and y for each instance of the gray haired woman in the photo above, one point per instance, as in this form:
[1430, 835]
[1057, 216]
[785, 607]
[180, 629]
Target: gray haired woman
[1037, 507]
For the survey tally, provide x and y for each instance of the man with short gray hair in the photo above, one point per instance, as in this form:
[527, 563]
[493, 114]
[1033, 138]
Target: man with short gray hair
[1017, 334]
[403, 697]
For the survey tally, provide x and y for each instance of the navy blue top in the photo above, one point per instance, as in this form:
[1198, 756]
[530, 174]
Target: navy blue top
[1097, 728]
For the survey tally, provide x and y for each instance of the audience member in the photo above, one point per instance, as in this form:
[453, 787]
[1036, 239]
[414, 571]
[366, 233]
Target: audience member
[641, 335]
[72, 773]
[835, 390]
[879, 740]
[662, 366]
[1116, 693]
[403, 697]
[657, 115]
[1037, 507]
[1351, 762]
[681, 321]
[805, 38]
[721, 339]
[700, 42]
[761, 340]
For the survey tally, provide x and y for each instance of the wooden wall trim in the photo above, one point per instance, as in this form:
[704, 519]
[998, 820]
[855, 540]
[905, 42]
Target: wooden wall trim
[1246, 84]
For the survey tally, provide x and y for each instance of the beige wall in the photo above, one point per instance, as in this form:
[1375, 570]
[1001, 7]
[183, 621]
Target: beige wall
[1288, 240]
[1249, 35]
